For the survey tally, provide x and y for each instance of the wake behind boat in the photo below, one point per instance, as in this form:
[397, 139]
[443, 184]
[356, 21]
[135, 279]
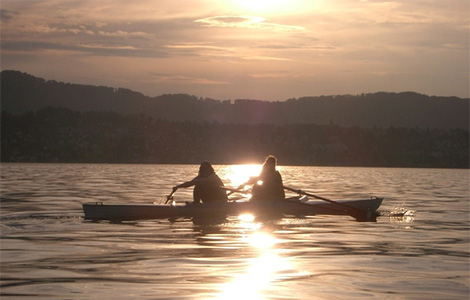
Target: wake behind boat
[361, 209]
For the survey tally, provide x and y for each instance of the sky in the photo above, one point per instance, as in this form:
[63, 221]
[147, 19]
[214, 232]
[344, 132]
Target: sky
[243, 49]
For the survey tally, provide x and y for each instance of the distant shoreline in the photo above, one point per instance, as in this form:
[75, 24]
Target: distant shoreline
[56, 135]
[227, 164]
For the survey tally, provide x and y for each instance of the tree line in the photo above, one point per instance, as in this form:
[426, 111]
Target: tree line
[21, 93]
[65, 135]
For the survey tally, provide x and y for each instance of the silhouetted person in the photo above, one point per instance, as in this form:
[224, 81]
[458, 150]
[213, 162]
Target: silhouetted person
[207, 185]
[268, 185]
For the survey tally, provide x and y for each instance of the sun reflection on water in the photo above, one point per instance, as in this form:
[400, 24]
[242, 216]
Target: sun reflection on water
[259, 275]
[261, 271]
[261, 240]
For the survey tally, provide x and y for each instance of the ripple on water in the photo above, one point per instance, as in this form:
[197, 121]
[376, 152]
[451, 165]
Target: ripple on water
[48, 251]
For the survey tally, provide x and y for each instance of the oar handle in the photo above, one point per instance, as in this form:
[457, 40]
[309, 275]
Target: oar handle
[170, 196]
[232, 190]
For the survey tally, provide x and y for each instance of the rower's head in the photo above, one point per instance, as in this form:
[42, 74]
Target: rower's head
[205, 169]
[270, 163]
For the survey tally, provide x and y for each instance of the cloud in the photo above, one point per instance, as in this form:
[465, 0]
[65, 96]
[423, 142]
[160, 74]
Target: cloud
[271, 75]
[6, 15]
[223, 49]
[182, 79]
[123, 33]
[211, 51]
[247, 22]
[261, 57]
[90, 49]
[196, 46]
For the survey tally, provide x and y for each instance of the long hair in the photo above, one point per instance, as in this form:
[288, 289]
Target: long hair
[269, 164]
[206, 169]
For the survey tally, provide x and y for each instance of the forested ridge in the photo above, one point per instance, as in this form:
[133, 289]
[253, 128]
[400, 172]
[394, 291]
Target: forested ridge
[23, 93]
[64, 135]
[49, 121]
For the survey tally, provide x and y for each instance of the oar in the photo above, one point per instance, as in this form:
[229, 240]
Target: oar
[170, 196]
[352, 211]
[232, 190]
[235, 190]
[236, 198]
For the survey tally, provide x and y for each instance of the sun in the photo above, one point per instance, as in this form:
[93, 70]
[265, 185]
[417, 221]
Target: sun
[262, 5]
[271, 7]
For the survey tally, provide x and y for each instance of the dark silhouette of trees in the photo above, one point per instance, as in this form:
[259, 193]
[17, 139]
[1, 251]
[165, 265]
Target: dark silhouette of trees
[49, 121]
[22, 93]
[64, 135]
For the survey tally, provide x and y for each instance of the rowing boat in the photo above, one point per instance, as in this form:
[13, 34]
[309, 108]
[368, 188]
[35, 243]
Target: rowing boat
[285, 207]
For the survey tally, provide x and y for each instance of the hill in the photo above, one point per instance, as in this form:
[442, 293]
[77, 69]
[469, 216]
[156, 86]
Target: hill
[21, 93]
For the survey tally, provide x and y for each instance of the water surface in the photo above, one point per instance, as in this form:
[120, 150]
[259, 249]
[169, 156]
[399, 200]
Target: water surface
[49, 251]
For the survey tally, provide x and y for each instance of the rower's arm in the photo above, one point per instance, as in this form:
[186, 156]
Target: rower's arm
[187, 183]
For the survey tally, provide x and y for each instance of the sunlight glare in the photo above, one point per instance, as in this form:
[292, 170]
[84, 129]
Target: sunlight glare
[238, 174]
[247, 222]
[255, 281]
[262, 240]
[261, 5]
[250, 285]
[246, 218]
[268, 265]
[273, 7]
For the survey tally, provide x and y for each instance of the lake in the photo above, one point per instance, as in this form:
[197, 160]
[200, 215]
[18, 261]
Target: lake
[48, 251]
